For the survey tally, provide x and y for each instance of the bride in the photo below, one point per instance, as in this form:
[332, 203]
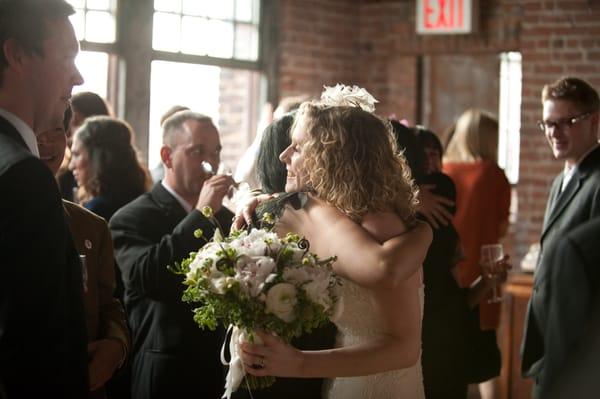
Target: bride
[346, 158]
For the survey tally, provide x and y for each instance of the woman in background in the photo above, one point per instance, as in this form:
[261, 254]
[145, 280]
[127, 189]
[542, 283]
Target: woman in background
[482, 209]
[83, 105]
[106, 166]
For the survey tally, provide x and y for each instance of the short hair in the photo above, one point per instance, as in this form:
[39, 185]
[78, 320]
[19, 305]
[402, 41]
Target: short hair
[116, 169]
[89, 104]
[574, 90]
[270, 171]
[475, 138]
[25, 21]
[172, 126]
[172, 111]
[352, 162]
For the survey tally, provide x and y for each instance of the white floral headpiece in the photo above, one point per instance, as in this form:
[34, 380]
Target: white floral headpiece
[348, 96]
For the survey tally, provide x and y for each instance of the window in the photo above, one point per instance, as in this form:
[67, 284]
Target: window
[510, 114]
[93, 66]
[225, 29]
[229, 96]
[94, 20]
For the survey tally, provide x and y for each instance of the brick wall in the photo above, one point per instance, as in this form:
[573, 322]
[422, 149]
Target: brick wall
[372, 43]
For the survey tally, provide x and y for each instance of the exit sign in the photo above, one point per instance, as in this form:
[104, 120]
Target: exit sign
[446, 16]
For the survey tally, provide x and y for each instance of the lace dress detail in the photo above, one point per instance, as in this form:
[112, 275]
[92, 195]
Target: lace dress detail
[358, 323]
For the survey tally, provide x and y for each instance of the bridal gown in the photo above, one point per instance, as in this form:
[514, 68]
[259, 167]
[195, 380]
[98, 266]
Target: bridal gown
[358, 323]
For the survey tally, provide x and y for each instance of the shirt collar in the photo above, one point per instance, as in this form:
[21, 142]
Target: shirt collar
[24, 130]
[184, 204]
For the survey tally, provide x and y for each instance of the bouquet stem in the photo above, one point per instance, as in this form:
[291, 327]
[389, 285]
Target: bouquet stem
[253, 383]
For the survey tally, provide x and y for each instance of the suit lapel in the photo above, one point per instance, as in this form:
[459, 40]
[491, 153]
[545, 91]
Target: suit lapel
[8, 129]
[167, 202]
[562, 200]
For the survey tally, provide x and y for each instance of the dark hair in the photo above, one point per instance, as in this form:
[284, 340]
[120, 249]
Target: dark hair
[270, 171]
[428, 139]
[89, 104]
[413, 151]
[574, 90]
[117, 171]
[67, 118]
[25, 21]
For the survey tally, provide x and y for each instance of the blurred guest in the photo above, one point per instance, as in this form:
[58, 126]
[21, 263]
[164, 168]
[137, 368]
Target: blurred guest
[171, 356]
[108, 336]
[570, 124]
[106, 166]
[447, 320]
[482, 209]
[83, 105]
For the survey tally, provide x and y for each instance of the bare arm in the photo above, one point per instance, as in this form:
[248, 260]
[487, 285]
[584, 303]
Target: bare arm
[390, 260]
[398, 346]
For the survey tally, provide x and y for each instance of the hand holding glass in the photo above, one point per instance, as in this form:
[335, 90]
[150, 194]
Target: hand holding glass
[491, 256]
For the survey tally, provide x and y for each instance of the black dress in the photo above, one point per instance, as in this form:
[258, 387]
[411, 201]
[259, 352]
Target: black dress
[321, 338]
[446, 314]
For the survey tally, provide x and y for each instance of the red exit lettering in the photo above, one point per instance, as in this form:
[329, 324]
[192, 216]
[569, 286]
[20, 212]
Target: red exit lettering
[439, 14]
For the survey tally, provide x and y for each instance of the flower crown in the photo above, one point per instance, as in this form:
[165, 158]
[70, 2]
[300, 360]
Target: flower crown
[348, 96]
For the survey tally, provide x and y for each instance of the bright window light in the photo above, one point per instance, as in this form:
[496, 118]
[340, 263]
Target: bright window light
[93, 66]
[510, 114]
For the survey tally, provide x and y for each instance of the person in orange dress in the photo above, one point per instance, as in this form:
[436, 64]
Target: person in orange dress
[482, 208]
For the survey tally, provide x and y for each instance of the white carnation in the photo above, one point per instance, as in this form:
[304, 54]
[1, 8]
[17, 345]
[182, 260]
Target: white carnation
[281, 300]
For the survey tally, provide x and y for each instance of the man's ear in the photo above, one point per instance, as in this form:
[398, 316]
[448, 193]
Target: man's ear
[165, 156]
[14, 54]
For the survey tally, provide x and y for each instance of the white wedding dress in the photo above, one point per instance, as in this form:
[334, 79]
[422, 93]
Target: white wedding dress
[358, 323]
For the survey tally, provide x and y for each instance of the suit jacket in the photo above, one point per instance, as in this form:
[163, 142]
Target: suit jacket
[172, 356]
[105, 317]
[579, 202]
[43, 342]
[575, 265]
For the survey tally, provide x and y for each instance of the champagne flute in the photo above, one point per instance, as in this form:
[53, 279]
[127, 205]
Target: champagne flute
[490, 256]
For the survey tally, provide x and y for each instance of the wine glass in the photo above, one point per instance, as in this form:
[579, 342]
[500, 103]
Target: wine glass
[238, 191]
[491, 255]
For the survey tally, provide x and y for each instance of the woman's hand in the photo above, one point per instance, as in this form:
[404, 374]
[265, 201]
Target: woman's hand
[274, 357]
[434, 207]
[243, 215]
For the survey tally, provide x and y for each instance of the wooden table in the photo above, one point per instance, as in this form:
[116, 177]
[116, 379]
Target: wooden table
[517, 291]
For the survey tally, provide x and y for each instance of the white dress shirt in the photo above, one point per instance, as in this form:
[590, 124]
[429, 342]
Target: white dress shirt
[24, 130]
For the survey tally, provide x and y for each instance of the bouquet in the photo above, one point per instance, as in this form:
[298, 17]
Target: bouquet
[254, 280]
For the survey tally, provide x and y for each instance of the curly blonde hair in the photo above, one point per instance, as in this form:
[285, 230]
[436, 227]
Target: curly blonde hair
[352, 162]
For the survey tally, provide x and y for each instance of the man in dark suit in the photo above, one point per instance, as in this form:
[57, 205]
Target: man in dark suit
[43, 343]
[573, 314]
[172, 356]
[570, 123]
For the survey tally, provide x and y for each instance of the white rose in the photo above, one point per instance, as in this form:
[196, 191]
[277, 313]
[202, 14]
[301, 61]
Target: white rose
[222, 284]
[281, 300]
[317, 292]
[296, 275]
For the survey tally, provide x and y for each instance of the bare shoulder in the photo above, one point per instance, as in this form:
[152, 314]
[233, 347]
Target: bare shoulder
[383, 225]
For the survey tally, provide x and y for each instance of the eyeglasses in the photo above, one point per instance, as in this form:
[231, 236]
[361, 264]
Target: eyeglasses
[564, 123]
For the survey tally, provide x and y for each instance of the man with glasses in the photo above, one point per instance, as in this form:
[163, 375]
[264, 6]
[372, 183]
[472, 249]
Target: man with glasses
[570, 125]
